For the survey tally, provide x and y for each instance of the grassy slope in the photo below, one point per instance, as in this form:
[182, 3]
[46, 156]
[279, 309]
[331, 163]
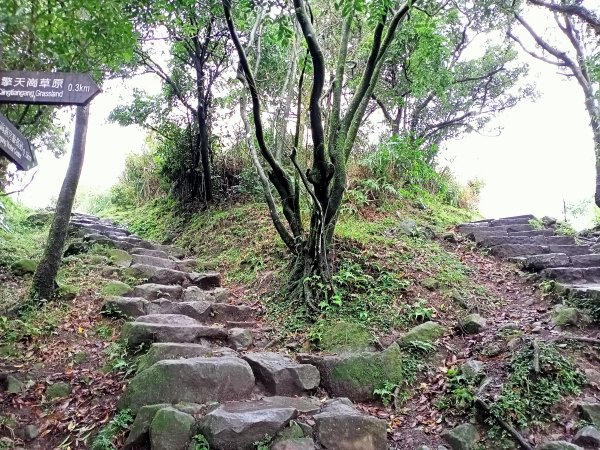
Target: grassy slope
[379, 269]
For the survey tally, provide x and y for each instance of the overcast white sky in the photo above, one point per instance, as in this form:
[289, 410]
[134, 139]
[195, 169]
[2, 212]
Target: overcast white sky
[543, 157]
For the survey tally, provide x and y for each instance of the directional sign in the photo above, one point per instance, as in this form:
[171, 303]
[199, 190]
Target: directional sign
[15, 146]
[46, 88]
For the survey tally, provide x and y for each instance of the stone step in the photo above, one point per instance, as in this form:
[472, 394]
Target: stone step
[546, 232]
[569, 250]
[515, 250]
[171, 250]
[155, 261]
[492, 240]
[573, 275]
[591, 260]
[161, 351]
[103, 240]
[524, 220]
[149, 252]
[281, 375]
[195, 380]
[160, 275]
[169, 328]
[540, 262]
[153, 291]
[202, 311]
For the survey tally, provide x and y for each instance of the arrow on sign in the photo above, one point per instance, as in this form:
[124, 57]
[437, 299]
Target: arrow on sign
[15, 146]
[46, 88]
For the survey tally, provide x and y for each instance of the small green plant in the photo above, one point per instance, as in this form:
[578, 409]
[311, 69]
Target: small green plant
[387, 393]
[564, 229]
[420, 312]
[199, 442]
[263, 444]
[546, 287]
[119, 359]
[106, 437]
[104, 331]
[536, 224]
[527, 397]
[459, 395]
[421, 347]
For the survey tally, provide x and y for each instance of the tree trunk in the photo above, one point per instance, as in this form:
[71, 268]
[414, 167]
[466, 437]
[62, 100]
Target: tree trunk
[44, 279]
[594, 113]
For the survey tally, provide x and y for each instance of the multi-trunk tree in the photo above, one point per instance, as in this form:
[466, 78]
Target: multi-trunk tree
[333, 129]
[573, 46]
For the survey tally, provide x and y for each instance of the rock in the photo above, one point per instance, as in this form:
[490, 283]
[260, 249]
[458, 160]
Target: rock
[587, 436]
[149, 252]
[168, 328]
[558, 445]
[58, 390]
[408, 227]
[195, 294]
[340, 426]
[119, 257]
[23, 267]
[239, 425]
[116, 289]
[138, 432]
[472, 324]
[463, 437]
[200, 311]
[125, 306]
[159, 275]
[304, 405]
[472, 369]
[492, 349]
[450, 237]
[151, 291]
[548, 221]
[13, 385]
[357, 375]
[425, 332]
[195, 380]
[30, 432]
[171, 429]
[76, 248]
[430, 284]
[155, 262]
[281, 375]
[590, 411]
[341, 335]
[593, 377]
[38, 219]
[161, 351]
[205, 280]
[541, 262]
[294, 444]
[240, 338]
[568, 316]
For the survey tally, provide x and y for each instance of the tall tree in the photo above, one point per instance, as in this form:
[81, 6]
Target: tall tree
[181, 116]
[437, 83]
[332, 140]
[577, 54]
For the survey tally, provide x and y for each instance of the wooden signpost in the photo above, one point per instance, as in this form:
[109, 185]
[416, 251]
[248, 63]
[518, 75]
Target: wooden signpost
[38, 88]
[15, 145]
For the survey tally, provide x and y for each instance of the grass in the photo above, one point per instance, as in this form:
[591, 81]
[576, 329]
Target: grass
[107, 436]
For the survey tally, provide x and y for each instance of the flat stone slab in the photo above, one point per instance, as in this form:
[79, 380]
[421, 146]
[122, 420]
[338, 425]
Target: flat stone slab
[169, 328]
[161, 351]
[125, 306]
[573, 275]
[155, 261]
[193, 380]
[281, 375]
[195, 294]
[569, 250]
[239, 425]
[304, 405]
[541, 262]
[153, 291]
[199, 311]
[512, 250]
[340, 426]
[492, 240]
[149, 252]
[591, 260]
[158, 275]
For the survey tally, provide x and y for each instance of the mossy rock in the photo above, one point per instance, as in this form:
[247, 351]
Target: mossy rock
[425, 332]
[58, 390]
[97, 259]
[68, 291]
[119, 257]
[38, 219]
[171, 429]
[565, 317]
[343, 335]
[430, 284]
[116, 289]
[357, 375]
[23, 267]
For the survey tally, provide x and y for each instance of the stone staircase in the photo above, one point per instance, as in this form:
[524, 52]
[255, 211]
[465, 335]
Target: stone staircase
[204, 376]
[573, 263]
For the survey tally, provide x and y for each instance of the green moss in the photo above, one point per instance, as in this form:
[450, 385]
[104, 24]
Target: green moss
[58, 390]
[373, 370]
[344, 335]
[425, 332]
[68, 291]
[23, 267]
[119, 257]
[115, 288]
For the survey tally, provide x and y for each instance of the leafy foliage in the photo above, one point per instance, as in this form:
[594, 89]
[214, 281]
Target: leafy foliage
[105, 439]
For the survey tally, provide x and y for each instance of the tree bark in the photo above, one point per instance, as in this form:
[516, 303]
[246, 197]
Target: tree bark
[44, 279]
